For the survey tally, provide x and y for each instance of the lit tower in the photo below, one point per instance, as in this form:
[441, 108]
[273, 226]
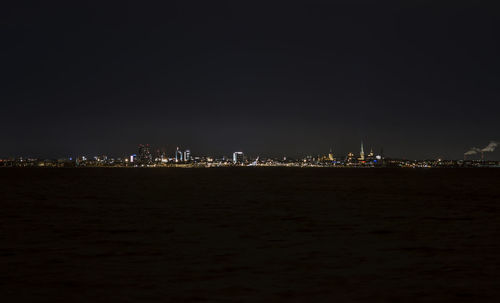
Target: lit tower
[330, 155]
[362, 153]
[238, 157]
[178, 155]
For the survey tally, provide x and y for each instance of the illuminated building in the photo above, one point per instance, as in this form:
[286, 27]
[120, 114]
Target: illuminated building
[187, 155]
[237, 157]
[350, 157]
[178, 155]
[330, 155]
[362, 153]
[371, 156]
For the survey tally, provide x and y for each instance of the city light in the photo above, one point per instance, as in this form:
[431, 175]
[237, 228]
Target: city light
[147, 156]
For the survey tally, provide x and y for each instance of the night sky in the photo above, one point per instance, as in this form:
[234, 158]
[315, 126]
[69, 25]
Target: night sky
[267, 78]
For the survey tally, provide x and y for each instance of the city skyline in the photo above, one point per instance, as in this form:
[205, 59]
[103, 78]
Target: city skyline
[149, 153]
[418, 79]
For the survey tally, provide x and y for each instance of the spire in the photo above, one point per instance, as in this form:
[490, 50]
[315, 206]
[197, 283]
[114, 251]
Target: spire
[362, 153]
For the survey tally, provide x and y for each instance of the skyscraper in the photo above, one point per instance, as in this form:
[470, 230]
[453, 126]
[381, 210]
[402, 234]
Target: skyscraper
[187, 155]
[178, 155]
[237, 157]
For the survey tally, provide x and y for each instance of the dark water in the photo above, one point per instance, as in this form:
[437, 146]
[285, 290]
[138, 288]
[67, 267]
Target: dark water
[253, 235]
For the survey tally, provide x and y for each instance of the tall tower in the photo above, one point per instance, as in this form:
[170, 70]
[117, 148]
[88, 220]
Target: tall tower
[330, 155]
[238, 157]
[178, 155]
[187, 155]
[362, 152]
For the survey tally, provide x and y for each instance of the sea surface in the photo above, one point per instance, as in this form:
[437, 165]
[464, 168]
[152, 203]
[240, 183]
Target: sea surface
[249, 235]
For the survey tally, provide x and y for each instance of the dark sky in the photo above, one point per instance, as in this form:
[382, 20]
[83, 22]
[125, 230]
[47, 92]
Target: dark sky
[268, 78]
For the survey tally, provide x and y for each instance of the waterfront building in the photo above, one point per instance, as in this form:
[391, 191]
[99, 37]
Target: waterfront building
[178, 155]
[145, 156]
[238, 157]
[187, 155]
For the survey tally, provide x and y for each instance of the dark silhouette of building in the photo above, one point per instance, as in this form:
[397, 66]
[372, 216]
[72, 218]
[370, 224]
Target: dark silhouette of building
[145, 156]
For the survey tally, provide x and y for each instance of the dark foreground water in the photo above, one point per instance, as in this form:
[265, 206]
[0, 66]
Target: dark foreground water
[249, 234]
